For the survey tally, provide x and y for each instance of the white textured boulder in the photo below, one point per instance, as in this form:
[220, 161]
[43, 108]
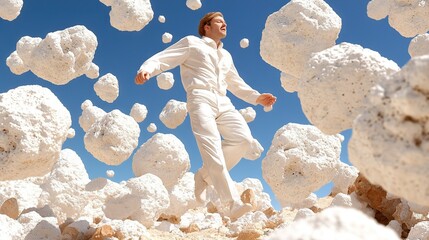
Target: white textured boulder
[182, 196]
[419, 231]
[289, 83]
[63, 187]
[167, 37]
[248, 114]
[163, 155]
[10, 228]
[389, 144]
[129, 15]
[161, 18]
[112, 138]
[152, 127]
[59, 58]
[34, 125]
[153, 198]
[173, 114]
[409, 18]
[289, 35]
[344, 178]
[334, 88]
[107, 88]
[10, 9]
[193, 4]
[15, 64]
[419, 45]
[301, 159]
[138, 112]
[90, 115]
[165, 80]
[335, 223]
[244, 43]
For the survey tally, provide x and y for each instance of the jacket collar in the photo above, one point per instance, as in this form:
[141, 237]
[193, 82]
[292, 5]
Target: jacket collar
[212, 43]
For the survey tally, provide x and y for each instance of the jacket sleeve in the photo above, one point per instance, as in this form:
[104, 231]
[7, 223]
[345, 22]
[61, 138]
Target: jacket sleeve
[167, 59]
[239, 88]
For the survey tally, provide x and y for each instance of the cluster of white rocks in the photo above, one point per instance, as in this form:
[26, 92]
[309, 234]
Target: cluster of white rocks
[409, 18]
[129, 15]
[58, 58]
[10, 9]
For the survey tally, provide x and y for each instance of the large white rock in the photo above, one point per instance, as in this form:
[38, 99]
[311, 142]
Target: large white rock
[335, 223]
[249, 114]
[163, 155]
[153, 198]
[107, 88]
[129, 15]
[165, 80]
[289, 35]
[301, 159]
[10, 9]
[173, 114]
[138, 112]
[389, 144]
[90, 115]
[419, 231]
[10, 228]
[407, 17]
[63, 187]
[59, 58]
[334, 87]
[33, 126]
[289, 83]
[113, 138]
[419, 45]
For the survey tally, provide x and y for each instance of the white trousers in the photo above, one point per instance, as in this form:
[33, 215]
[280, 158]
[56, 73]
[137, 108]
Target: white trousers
[213, 117]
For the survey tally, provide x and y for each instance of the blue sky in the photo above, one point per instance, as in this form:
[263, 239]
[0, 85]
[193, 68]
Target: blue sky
[122, 53]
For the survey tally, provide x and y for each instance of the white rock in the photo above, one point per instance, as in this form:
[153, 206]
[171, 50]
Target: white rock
[248, 113]
[15, 64]
[37, 227]
[289, 83]
[90, 115]
[250, 220]
[153, 195]
[26, 192]
[165, 80]
[138, 112]
[395, 226]
[173, 114]
[301, 159]
[419, 45]
[182, 196]
[110, 173]
[163, 155]
[161, 19]
[61, 57]
[391, 133]
[307, 202]
[34, 126]
[107, 88]
[334, 87]
[93, 71]
[113, 138]
[129, 15]
[130, 229]
[409, 18]
[10, 9]
[244, 43]
[344, 178]
[289, 35]
[62, 189]
[345, 200]
[203, 220]
[304, 213]
[262, 200]
[419, 231]
[10, 229]
[337, 223]
[167, 37]
[151, 128]
[71, 133]
[193, 4]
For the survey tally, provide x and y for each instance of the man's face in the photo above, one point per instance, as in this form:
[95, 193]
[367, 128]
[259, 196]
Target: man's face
[216, 28]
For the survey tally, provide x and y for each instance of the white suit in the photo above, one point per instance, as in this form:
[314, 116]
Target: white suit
[207, 71]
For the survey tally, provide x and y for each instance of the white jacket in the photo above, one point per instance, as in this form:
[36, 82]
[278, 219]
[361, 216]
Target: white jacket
[203, 65]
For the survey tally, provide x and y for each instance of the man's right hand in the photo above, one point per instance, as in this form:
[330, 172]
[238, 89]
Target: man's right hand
[142, 77]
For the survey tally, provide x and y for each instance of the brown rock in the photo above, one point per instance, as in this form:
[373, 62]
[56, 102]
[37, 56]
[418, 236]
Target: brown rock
[10, 208]
[169, 218]
[248, 196]
[322, 203]
[269, 212]
[250, 234]
[103, 232]
[192, 228]
[211, 208]
[63, 225]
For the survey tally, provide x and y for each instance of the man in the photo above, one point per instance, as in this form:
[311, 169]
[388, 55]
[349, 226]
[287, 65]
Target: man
[207, 71]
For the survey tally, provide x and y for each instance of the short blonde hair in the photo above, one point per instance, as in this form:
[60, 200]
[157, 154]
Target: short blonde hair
[206, 20]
